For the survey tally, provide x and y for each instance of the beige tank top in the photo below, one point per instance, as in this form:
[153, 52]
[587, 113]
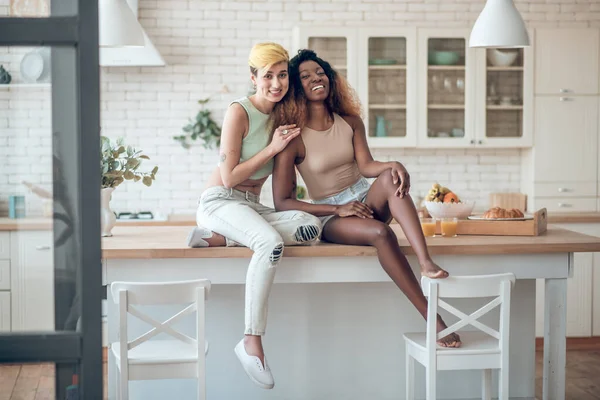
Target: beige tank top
[329, 166]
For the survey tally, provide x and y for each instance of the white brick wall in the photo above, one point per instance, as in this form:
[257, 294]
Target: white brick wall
[206, 44]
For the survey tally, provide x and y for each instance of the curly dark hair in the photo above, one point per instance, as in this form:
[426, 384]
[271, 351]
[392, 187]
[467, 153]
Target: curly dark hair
[293, 109]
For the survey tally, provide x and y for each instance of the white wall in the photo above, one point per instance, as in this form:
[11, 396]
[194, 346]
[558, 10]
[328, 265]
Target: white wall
[206, 44]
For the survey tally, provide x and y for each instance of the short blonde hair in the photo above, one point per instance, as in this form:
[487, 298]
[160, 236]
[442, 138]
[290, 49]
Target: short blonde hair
[265, 55]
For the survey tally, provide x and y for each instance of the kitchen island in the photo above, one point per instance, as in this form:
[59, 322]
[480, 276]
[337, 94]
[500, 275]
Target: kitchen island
[336, 320]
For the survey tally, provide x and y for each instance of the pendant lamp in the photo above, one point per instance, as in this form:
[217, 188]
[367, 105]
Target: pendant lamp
[499, 26]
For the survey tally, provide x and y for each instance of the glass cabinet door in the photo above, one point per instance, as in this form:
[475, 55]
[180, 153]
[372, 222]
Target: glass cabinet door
[335, 45]
[504, 97]
[388, 86]
[446, 69]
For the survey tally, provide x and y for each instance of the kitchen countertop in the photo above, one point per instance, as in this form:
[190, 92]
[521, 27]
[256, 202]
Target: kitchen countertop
[42, 224]
[131, 242]
[32, 224]
[573, 217]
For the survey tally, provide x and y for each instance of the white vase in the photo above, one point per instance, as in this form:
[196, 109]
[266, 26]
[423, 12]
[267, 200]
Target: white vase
[107, 216]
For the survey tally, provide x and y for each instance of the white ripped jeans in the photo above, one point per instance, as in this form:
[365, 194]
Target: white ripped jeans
[239, 216]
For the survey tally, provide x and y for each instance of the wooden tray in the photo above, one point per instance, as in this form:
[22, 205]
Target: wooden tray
[532, 227]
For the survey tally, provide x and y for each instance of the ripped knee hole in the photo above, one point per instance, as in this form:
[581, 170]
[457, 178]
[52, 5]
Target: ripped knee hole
[276, 253]
[306, 233]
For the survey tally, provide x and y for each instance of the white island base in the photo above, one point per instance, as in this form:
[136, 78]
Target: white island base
[336, 323]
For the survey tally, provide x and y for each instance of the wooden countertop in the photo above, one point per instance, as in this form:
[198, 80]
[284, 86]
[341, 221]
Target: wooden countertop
[34, 224]
[44, 224]
[130, 242]
[573, 217]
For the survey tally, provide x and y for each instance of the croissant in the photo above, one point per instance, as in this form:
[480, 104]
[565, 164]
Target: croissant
[498, 212]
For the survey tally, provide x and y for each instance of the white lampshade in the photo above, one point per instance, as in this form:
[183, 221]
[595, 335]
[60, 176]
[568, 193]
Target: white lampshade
[118, 25]
[499, 26]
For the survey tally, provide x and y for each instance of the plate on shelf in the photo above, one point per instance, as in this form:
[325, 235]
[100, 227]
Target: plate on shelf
[480, 218]
[35, 66]
[382, 61]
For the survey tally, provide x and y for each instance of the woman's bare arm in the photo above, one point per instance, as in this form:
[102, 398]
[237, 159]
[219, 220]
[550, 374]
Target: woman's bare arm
[370, 168]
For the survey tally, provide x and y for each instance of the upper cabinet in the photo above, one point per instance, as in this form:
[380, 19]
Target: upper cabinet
[446, 88]
[426, 88]
[336, 45]
[387, 85]
[566, 61]
[504, 97]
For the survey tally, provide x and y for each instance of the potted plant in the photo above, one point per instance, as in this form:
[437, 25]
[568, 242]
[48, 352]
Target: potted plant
[203, 127]
[119, 163]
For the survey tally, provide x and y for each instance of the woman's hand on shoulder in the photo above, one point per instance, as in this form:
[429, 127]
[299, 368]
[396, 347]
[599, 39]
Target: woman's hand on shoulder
[282, 136]
[354, 209]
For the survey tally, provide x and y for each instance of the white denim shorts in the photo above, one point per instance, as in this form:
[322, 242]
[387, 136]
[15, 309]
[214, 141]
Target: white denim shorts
[356, 192]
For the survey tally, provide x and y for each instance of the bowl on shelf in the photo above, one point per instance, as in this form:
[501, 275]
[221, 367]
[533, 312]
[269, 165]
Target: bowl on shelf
[382, 61]
[449, 210]
[502, 58]
[443, 57]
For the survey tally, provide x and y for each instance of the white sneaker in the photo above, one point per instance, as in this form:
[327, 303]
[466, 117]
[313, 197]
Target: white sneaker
[259, 374]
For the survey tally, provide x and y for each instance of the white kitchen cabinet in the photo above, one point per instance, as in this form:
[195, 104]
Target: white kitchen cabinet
[335, 44]
[4, 275]
[446, 92]
[566, 60]
[387, 85]
[583, 290]
[4, 311]
[566, 204]
[4, 245]
[504, 99]
[566, 139]
[32, 281]
[596, 289]
[414, 96]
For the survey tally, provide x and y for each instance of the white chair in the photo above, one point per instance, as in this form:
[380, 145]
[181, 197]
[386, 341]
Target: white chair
[143, 359]
[485, 349]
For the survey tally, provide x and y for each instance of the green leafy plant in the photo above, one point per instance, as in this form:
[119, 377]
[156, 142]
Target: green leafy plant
[203, 127]
[119, 163]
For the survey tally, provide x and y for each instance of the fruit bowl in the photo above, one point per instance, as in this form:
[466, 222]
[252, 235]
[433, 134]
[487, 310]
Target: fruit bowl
[449, 210]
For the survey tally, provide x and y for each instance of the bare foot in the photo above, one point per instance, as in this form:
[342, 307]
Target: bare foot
[451, 340]
[432, 270]
[253, 346]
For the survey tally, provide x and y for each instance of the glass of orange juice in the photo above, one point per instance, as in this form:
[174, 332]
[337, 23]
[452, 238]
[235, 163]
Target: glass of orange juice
[449, 226]
[428, 226]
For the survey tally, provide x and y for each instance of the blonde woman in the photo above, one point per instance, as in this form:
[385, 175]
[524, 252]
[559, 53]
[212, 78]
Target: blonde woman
[231, 207]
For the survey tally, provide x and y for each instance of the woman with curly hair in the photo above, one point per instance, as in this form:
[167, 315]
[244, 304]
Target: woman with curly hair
[334, 161]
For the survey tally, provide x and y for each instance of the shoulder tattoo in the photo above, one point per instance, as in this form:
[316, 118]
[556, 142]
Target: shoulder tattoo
[223, 157]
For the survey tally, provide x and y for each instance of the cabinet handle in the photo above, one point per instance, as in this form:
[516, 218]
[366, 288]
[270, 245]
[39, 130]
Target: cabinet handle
[563, 205]
[472, 141]
[45, 247]
[480, 142]
[564, 90]
[566, 99]
[563, 190]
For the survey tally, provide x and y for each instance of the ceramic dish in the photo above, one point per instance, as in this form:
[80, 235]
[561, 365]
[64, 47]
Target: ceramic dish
[443, 57]
[382, 61]
[32, 66]
[35, 66]
[480, 218]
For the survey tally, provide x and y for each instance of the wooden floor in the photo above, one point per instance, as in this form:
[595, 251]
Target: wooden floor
[36, 381]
